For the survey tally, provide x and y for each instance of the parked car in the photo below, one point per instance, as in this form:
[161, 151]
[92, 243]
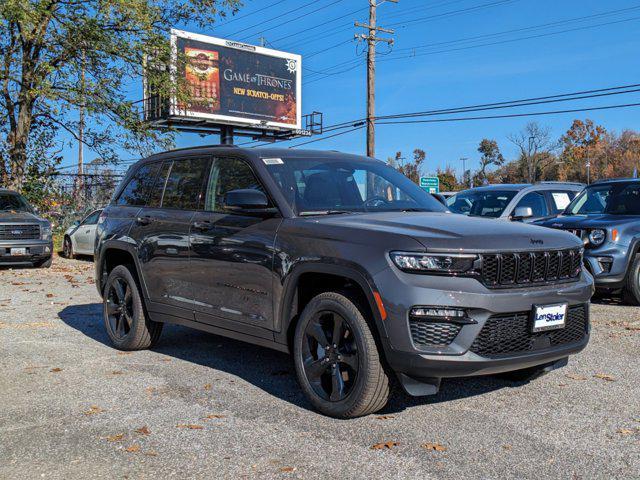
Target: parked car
[518, 202]
[79, 239]
[25, 237]
[341, 261]
[606, 216]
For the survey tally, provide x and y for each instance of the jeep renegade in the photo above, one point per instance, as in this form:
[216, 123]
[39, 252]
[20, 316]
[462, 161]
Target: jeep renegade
[343, 262]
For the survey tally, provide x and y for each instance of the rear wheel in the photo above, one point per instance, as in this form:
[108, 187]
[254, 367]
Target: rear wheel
[67, 248]
[632, 288]
[46, 263]
[336, 358]
[125, 318]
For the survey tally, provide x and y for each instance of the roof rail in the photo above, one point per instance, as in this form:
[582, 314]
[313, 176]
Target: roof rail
[553, 182]
[602, 180]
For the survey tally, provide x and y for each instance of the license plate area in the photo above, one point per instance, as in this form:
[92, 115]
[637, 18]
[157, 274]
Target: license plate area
[18, 252]
[548, 317]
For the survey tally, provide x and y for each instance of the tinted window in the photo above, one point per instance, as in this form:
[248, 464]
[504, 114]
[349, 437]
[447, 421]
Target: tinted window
[481, 203]
[316, 186]
[137, 190]
[155, 197]
[92, 219]
[536, 202]
[13, 202]
[184, 184]
[613, 199]
[228, 174]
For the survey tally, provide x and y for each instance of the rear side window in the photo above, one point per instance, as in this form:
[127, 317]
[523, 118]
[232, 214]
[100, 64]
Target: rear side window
[536, 202]
[184, 184]
[136, 192]
[155, 197]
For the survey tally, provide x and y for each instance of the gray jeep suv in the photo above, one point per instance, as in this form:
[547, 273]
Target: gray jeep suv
[25, 238]
[606, 216]
[341, 261]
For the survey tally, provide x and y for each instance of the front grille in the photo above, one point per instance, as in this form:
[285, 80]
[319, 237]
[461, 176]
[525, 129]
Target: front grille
[433, 334]
[19, 232]
[511, 333]
[502, 270]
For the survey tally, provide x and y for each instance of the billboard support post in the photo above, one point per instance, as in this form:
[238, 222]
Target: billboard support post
[226, 135]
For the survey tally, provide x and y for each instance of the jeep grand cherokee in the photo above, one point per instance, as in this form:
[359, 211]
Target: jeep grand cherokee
[343, 262]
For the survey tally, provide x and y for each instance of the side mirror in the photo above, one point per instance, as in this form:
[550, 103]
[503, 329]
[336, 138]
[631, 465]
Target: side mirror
[521, 213]
[247, 201]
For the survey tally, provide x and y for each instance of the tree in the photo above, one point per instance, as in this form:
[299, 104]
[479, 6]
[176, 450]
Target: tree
[448, 181]
[536, 149]
[490, 156]
[409, 169]
[586, 143]
[47, 46]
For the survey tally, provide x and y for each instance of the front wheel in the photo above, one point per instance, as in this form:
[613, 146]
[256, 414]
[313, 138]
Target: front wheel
[125, 318]
[336, 358]
[67, 248]
[632, 288]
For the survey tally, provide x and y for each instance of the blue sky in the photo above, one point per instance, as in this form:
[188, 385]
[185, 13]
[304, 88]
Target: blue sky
[583, 59]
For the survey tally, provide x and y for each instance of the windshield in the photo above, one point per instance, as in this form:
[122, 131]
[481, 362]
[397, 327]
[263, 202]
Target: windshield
[612, 199]
[315, 186]
[489, 203]
[14, 203]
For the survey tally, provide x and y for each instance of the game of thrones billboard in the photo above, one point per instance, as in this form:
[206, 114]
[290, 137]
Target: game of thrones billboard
[235, 83]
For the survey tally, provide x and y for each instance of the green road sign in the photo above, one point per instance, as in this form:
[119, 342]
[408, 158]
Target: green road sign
[430, 184]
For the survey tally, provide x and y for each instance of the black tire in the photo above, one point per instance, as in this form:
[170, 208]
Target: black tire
[346, 378]
[632, 288]
[44, 263]
[67, 248]
[124, 314]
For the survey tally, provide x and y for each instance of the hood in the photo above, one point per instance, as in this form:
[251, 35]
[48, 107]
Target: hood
[19, 217]
[589, 221]
[448, 232]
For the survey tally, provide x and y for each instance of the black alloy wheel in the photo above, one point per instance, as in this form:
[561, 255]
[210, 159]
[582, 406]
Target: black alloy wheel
[330, 356]
[119, 308]
[67, 248]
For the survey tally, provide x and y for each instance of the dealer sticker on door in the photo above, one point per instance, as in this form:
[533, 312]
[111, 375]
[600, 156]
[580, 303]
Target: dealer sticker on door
[549, 317]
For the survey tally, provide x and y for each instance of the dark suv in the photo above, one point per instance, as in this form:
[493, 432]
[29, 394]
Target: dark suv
[25, 238]
[343, 262]
[606, 216]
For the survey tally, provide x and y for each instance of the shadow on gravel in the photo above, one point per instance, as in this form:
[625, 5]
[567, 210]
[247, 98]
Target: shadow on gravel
[267, 369]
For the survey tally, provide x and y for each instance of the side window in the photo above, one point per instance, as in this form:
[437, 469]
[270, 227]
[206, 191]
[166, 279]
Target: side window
[92, 219]
[536, 202]
[136, 192]
[184, 184]
[560, 200]
[155, 197]
[228, 174]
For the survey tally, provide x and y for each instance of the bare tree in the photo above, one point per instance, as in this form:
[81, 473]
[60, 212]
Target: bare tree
[536, 148]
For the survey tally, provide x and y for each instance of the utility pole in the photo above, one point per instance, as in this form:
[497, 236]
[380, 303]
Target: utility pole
[80, 185]
[372, 40]
[464, 166]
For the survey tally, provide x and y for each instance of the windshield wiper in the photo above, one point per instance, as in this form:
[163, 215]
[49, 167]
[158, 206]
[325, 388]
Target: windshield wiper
[324, 212]
[415, 210]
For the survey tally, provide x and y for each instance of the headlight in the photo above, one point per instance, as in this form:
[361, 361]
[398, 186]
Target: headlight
[45, 231]
[433, 262]
[596, 237]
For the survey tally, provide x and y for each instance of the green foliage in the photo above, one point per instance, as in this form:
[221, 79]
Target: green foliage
[409, 169]
[59, 55]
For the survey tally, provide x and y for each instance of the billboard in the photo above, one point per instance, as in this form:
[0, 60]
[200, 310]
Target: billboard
[237, 84]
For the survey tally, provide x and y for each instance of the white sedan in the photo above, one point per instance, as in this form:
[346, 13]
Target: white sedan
[80, 237]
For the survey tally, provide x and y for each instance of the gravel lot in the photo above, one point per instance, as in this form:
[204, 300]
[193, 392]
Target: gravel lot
[202, 406]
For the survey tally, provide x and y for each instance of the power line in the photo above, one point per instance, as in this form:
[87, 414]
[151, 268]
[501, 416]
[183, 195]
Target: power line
[284, 14]
[327, 137]
[452, 13]
[320, 24]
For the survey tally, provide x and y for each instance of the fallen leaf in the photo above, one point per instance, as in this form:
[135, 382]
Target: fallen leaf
[213, 416]
[384, 445]
[133, 448]
[115, 438]
[625, 431]
[143, 430]
[151, 453]
[288, 469]
[385, 417]
[55, 370]
[506, 447]
[49, 295]
[94, 410]
[604, 376]
[124, 353]
[434, 446]
[117, 372]
[574, 376]
[190, 426]
[207, 386]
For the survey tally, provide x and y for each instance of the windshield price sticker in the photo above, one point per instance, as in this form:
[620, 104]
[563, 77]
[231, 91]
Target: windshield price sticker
[273, 161]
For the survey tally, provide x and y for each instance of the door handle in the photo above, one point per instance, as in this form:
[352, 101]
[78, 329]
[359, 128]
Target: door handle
[146, 220]
[203, 226]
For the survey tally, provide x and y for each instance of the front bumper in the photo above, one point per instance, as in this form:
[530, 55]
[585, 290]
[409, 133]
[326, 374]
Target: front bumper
[401, 291]
[608, 264]
[34, 251]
